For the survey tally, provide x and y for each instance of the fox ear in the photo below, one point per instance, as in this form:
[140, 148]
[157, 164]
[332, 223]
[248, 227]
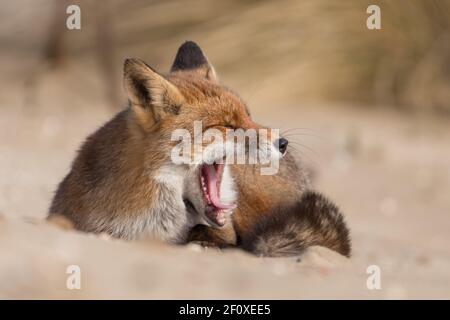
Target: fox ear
[151, 96]
[191, 58]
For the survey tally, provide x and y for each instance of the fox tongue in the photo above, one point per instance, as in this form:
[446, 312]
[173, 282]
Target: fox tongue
[212, 181]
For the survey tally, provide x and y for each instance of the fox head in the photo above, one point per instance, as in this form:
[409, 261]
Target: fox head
[190, 93]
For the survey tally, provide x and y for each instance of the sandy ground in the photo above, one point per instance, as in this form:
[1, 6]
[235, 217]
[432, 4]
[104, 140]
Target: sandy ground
[390, 174]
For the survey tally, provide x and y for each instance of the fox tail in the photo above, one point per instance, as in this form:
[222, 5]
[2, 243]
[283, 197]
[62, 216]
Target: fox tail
[313, 220]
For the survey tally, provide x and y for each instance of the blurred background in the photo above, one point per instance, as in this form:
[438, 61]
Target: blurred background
[367, 111]
[300, 50]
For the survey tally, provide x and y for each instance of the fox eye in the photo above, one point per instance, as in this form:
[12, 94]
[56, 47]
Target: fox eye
[228, 126]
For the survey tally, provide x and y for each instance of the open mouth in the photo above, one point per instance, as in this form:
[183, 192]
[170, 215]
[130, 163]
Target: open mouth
[214, 210]
[210, 179]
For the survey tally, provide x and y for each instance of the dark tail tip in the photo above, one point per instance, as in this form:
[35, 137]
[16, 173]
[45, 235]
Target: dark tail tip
[288, 231]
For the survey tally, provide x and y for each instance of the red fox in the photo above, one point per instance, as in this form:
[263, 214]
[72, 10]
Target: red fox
[125, 183]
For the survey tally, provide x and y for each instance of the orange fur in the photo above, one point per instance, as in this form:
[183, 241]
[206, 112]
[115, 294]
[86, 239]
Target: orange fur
[124, 183]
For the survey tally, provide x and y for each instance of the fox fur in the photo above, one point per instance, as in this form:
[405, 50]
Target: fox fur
[124, 183]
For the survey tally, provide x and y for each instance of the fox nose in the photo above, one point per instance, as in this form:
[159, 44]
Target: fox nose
[281, 144]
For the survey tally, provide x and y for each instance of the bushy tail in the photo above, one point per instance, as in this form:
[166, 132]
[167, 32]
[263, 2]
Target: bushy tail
[313, 220]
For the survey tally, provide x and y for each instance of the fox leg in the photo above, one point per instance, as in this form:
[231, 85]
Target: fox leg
[212, 237]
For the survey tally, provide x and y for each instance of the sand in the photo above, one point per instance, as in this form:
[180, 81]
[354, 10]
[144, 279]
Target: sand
[388, 172]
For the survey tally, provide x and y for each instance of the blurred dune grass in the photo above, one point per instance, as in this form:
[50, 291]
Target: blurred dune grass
[288, 51]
